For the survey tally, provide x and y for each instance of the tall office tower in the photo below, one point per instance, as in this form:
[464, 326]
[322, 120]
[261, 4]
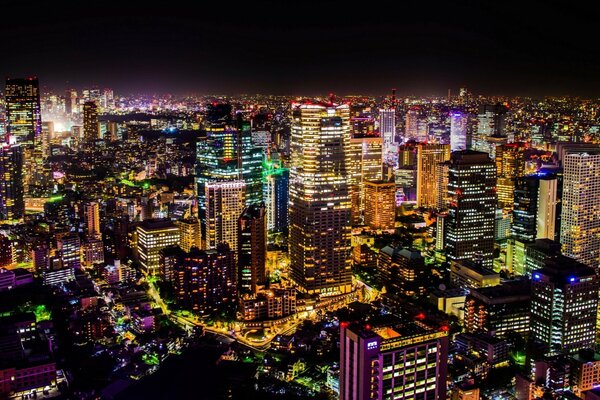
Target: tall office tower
[380, 205]
[69, 247]
[91, 127]
[320, 207]
[189, 233]
[92, 219]
[510, 164]
[226, 154]
[204, 281]
[108, 100]
[23, 115]
[564, 302]
[458, 131]
[428, 158]
[500, 309]
[472, 207]
[441, 175]
[47, 135]
[491, 120]
[580, 223]
[71, 105]
[276, 194]
[402, 271]
[387, 127]
[524, 226]
[252, 248]
[225, 202]
[547, 207]
[411, 124]
[153, 235]
[404, 361]
[12, 205]
[363, 164]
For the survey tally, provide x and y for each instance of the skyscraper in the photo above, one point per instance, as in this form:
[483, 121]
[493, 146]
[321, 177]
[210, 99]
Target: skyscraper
[92, 219]
[510, 164]
[458, 131]
[12, 206]
[320, 207]
[252, 248]
[227, 154]
[403, 361]
[91, 128]
[428, 158]
[276, 194]
[387, 127]
[24, 126]
[69, 246]
[580, 222]
[564, 302]
[364, 163]
[472, 207]
[380, 204]
[24, 121]
[491, 120]
[411, 124]
[225, 202]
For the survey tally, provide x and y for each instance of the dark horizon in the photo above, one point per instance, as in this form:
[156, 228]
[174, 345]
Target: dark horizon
[420, 49]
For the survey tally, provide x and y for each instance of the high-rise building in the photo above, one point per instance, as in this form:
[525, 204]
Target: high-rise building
[402, 271]
[564, 303]
[91, 127]
[69, 247]
[364, 159]
[252, 248]
[189, 233]
[458, 131]
[23, 114]
[71, 106]
[580, 221]
[472, 207]
[320, 206]
[225, 202]
[153, 235]
[47, 135]
[276, 194]
[380, 205]
[227, 154]
[491, 120]
[92, 219]
[411, 124]
[510, 164]
[387, 128]
[500, 309]
[404, 361]
[428, 158]
[93, 251]
[205, 281]
[12, 205]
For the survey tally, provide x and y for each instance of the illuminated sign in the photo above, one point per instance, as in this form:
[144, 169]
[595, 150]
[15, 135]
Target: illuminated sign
[372, 345]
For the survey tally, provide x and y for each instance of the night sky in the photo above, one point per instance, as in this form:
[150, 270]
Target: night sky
[302, 47]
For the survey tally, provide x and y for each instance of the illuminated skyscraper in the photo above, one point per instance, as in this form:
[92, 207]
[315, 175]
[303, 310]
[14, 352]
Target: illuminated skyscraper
[24, 126]
[69, 247]
[47, 135]
[225, 202]
[458, 131]
[363, 163]
[580, 223]
[91, 128]
[153, 235]
[387, 127]
[252, 248]
[92, 219]
[189, 232]
[428, 158]
[564, 302]
[491, 120]
[472, 207]
[411, 124]
[276, 194]
[71, 106]
[320, 207]
[510, 164]
[404, 361]
[380, 204]
[24, 121]
[227, 154]
[12, 206]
